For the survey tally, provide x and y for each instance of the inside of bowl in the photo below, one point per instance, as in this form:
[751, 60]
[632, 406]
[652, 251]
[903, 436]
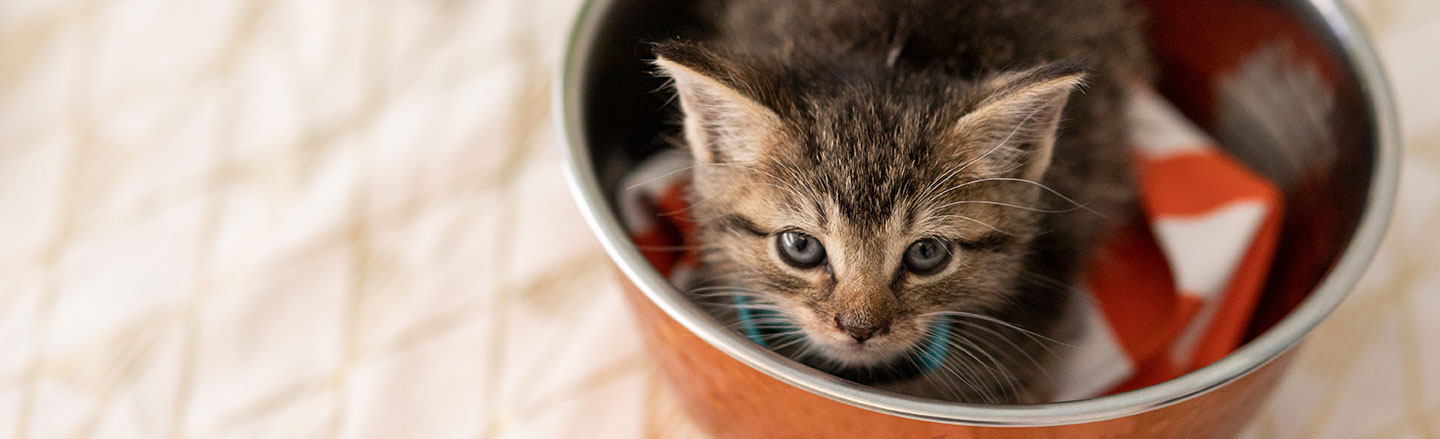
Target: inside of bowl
[1311, 132]
[1312, 135]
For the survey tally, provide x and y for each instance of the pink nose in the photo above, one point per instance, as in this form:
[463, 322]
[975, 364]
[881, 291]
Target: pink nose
[861, 331]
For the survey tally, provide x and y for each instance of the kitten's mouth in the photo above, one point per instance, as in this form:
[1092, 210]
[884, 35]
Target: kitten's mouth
[880, 364]
[872, 362]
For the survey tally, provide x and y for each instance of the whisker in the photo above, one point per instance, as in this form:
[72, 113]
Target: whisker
[1038, 366]
[791, 332]
[805, 351]
[729, 296]
[734, 306]
[961, 185]
[999, 322]
[930, 378]
[794, 173]
[660, 177]
[991, 371]
[725, 292]
[727, 288]
[1047, 189]
[774, 323]
[787, 185]
[1047, 280]
[946, 367]
[697, 201]
[787, 344]
[1017, 206]
[647, 248]
[1010, 378]
[988, 225]
[948, 174]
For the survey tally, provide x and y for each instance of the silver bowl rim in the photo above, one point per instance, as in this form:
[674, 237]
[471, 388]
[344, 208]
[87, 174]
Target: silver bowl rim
[1354, 45]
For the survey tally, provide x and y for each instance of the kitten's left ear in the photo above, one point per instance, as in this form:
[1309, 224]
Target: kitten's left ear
[1016, 123]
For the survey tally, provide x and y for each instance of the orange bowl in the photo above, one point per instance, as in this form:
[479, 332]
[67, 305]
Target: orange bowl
[1339, 189]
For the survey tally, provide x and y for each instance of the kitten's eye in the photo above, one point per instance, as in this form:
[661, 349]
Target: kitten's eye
[800, 250]
[927, 256]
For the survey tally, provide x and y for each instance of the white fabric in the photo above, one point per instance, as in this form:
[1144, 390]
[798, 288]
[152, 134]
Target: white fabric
[259, 219]
[1206, 251]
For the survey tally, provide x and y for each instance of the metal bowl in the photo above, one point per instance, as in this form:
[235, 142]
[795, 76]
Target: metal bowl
[1338, 202]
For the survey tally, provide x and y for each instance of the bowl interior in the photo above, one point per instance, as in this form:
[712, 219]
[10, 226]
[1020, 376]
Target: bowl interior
[1316, 136]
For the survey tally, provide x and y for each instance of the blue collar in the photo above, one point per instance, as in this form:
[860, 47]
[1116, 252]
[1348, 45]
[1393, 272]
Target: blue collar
[922, 360]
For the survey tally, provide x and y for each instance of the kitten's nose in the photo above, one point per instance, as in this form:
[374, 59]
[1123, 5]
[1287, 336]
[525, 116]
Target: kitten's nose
[861, 332]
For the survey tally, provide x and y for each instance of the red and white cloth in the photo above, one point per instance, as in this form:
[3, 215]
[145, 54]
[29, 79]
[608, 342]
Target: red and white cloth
[1162, 298]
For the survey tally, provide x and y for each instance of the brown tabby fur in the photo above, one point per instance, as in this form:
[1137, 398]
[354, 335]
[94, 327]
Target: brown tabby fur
[870, 124]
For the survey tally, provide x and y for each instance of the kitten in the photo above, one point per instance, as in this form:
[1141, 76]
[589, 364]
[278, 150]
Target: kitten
[900, 192]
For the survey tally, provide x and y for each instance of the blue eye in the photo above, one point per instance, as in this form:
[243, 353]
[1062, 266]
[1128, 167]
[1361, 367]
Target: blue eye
[927, 256]
[800, 250]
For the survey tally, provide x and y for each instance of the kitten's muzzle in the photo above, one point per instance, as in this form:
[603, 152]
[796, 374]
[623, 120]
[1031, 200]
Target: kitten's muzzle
[861, 330]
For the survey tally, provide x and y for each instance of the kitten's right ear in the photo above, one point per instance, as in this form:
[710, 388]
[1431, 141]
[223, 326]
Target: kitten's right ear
[722, 122]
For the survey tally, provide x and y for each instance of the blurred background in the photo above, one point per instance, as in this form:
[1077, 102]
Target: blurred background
[273, 219]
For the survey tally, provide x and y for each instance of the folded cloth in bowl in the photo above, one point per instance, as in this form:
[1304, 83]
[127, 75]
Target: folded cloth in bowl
[1160, 298]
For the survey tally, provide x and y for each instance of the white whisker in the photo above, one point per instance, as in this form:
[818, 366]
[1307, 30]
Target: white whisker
[997, 203]
[998, 322]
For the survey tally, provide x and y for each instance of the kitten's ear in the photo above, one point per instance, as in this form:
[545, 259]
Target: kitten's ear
[723, 123]
[1016, 122]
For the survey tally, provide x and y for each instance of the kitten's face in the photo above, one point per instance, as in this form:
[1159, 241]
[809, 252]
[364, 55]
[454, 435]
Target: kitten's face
[864, 210]
[868, 287]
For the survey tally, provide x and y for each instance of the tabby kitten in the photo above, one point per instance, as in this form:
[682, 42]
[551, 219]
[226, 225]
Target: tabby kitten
[900, 192]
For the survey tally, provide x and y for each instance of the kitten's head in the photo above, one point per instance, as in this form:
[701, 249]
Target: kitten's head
[860, 202]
